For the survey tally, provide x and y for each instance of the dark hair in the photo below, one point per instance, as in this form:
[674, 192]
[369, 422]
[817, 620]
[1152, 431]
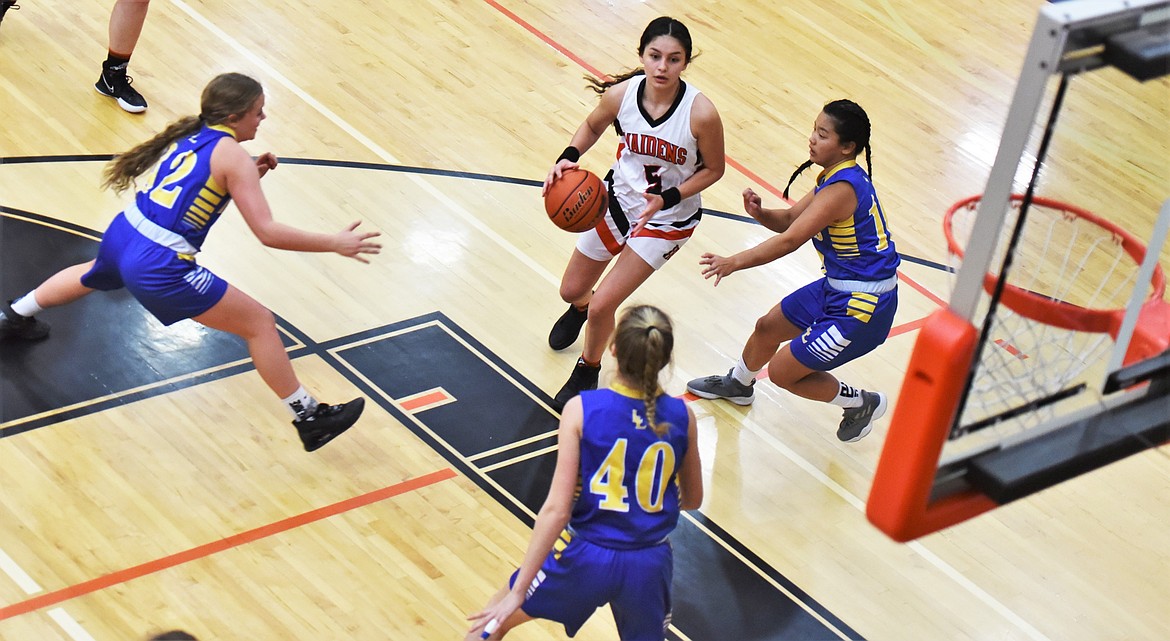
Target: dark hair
[643, 342]
[227, 95]
[851, 124]
[173, 635]
[662, 26]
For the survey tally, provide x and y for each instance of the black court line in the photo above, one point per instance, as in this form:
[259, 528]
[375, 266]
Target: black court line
[426, 171]
[105, 349]
[718, 596]
[495, 406]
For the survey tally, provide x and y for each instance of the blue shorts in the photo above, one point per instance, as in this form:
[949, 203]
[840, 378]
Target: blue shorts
[582, 577]
[839, 326]
[168, 286]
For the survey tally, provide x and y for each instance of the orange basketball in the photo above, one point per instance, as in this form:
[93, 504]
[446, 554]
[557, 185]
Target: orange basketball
[576, 201]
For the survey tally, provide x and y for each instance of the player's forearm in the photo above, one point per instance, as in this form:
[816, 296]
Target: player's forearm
[550, 522]
[280, 236]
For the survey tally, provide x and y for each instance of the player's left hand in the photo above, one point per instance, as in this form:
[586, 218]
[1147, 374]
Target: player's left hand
[717, 266]
[654, 205]
[498, 613]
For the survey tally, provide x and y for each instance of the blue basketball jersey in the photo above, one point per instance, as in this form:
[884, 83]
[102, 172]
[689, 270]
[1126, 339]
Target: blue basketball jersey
[184, 197]
[859, 247]
[629, 494]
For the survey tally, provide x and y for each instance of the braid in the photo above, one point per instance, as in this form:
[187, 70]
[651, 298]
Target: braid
[599, 86]
[227, 95]
[650, 388]
[643, 342]
[801, 168]
[863, 143]
[123, 169]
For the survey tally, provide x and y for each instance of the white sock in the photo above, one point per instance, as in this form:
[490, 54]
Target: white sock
[847, 397]
[742, 374]
[300, 403]
[27, 305]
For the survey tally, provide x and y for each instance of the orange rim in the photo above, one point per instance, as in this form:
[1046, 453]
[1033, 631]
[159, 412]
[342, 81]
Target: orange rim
[1055, 312]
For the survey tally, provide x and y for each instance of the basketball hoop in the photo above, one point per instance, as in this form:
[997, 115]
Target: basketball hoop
[1073, 273]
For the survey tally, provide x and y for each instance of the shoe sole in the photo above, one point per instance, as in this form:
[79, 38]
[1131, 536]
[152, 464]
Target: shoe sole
[127, 107]
[877, 413]
[738, 400]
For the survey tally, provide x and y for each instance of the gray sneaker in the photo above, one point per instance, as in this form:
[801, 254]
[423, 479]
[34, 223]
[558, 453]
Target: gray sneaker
[858, 421]
[724, 387]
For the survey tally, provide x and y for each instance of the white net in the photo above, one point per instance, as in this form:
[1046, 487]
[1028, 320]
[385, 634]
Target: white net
[1049, 337]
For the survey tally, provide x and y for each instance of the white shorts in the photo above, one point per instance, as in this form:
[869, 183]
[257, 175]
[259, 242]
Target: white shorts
[654, 244]
[654, 250]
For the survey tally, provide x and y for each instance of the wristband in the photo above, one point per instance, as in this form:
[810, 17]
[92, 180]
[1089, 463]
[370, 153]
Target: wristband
[670, 198]
[571, 153]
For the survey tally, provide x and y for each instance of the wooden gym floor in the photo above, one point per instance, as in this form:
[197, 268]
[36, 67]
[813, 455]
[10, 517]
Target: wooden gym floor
[149, 481]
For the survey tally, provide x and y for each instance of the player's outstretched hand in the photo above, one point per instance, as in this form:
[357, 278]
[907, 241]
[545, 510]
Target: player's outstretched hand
[717, 266]
[353, 244]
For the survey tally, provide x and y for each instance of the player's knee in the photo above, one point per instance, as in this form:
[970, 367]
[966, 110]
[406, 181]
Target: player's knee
[258, 322]
[573, 292]
[603, 307]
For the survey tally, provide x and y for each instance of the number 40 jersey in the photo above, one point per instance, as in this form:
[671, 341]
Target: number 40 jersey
[629, 494]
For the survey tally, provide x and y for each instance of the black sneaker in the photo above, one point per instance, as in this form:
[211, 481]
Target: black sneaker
[116, 84]
[21, 328]
[5, 5]
[858, 421]
[327, 422]
[567, 328]
[584, 377]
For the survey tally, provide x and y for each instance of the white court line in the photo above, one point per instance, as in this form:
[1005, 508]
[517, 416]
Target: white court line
[930, 557]
[473, 221]
[26, 583]
[70, 625]
[18, 575]
[470, 219]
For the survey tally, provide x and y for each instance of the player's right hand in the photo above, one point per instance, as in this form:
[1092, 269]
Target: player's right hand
[352, 244]
[554, 174]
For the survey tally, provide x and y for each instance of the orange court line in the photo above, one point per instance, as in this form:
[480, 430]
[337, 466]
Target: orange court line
[424, 400]
[907, 327]
[547, 40]
[921, 290]
[731, 161]
[150, 567]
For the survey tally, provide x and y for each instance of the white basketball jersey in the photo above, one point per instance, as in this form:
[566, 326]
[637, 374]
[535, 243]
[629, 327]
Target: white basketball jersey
[661, 152]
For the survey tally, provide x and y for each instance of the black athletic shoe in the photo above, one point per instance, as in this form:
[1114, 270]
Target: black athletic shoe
[584, 377]
[116, 84]
[21, 328]
[5, 5]
[327, 422]
[567, 328]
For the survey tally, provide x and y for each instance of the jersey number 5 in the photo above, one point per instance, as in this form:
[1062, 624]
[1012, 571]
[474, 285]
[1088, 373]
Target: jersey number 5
[654, 471]
[653, 180]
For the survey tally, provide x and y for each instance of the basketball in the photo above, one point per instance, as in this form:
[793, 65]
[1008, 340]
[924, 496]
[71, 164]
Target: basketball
[577, 201]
